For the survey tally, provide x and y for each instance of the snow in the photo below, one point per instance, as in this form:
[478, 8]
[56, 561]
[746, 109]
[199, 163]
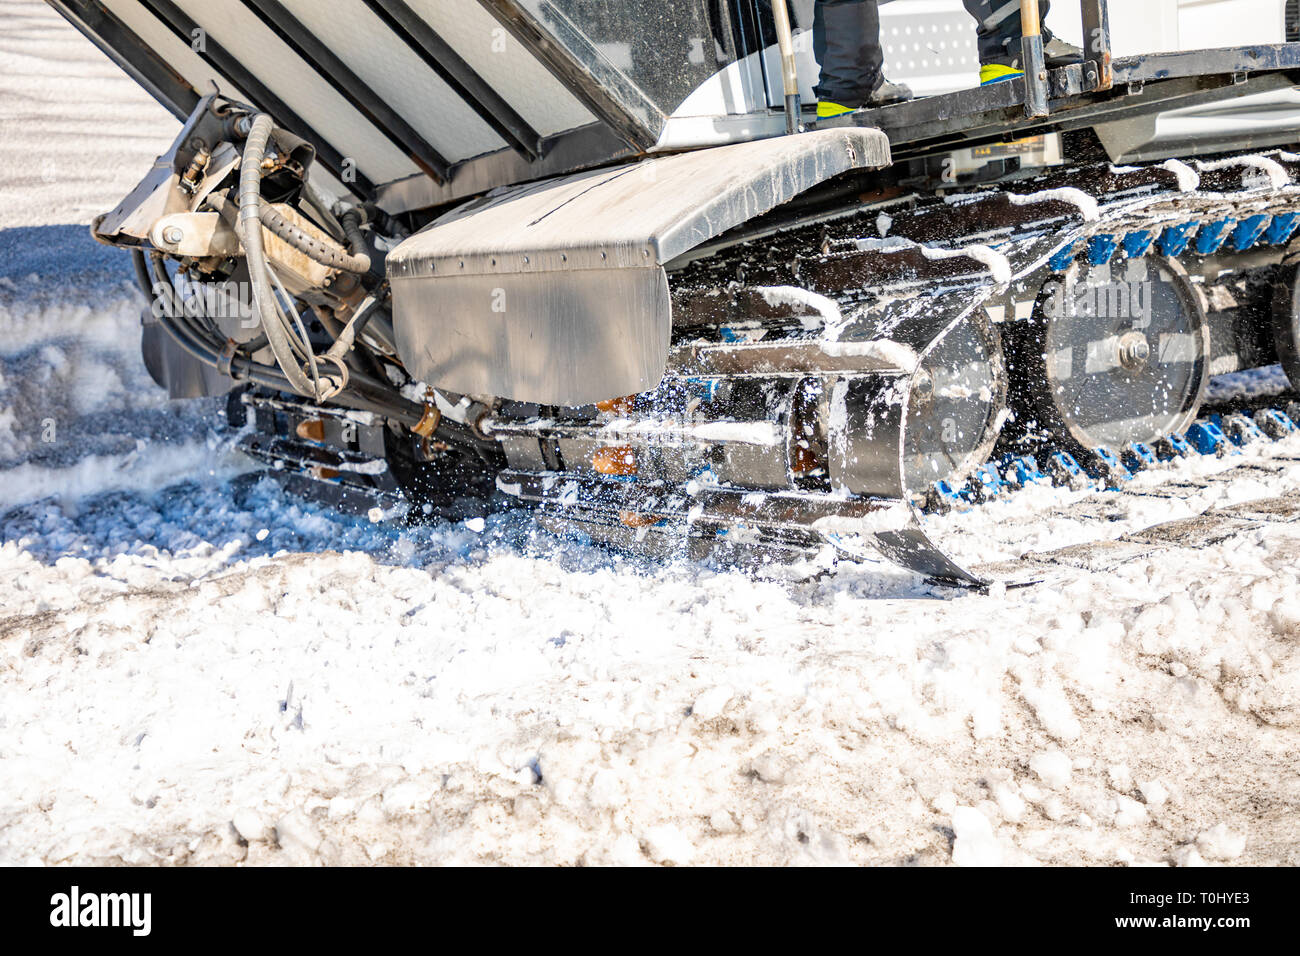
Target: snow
[198, 668]
[1086, 205]
[787, 296]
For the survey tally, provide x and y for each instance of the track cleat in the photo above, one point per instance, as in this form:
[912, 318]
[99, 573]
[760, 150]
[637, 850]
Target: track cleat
[942, 499]
[986, 484]
[1023, 472]
[1104, 467]
[1208, 439]
[1173, 446]
[1066, 473]
[1062, 260]
[1101, 249]
[1174, 240]
[1248, 232]
[1274, 424]
[1281, 228]
[1138, 244]
[1241, 430]
[1213, 235]
[1138, 456]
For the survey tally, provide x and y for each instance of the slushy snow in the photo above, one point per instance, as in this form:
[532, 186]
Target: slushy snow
[197, 668]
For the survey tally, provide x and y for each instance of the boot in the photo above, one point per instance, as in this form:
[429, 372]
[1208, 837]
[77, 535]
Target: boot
[1056, 52]
[885, 94]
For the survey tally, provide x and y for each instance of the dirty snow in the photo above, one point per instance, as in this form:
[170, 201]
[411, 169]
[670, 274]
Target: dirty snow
[195, 668]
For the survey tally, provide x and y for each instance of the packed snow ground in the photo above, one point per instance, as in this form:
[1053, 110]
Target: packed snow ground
[195, 668]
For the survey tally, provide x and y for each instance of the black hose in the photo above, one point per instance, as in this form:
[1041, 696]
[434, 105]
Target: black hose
[367, 394]
[315, 249]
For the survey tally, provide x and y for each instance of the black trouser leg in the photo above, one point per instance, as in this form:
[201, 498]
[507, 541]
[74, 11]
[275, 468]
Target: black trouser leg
[999, 27]
[846, 42]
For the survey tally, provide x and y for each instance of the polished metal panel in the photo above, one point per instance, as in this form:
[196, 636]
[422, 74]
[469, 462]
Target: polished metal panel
[556, 338]
[555, 292]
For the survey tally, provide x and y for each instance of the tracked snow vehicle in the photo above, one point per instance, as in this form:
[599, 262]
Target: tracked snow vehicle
[593, 256]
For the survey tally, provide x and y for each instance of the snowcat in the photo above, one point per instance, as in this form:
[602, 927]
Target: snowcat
[601, 257]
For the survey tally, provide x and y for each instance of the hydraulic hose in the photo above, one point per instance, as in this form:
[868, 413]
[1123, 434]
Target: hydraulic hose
[351, 223]
[368, 395]
[315, 249]
[250, 233]
[365, 393]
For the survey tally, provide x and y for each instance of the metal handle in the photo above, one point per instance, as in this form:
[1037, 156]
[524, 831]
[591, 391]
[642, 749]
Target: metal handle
[1035, 64]
[1030, 21]
[789, 71]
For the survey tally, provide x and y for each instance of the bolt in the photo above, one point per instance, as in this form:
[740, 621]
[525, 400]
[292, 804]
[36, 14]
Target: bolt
[172, 235]
[1134, 350]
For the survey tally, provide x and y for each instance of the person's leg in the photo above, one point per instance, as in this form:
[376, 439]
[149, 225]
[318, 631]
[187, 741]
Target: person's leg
[999, 37]
[846, 42]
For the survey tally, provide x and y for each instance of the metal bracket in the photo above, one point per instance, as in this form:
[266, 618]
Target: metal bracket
[1096, 40]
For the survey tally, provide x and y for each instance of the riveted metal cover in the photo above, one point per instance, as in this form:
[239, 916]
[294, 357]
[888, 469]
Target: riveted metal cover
[555, 292]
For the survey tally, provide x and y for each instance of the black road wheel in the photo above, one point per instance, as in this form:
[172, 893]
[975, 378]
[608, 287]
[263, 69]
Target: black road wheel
[1113, 354]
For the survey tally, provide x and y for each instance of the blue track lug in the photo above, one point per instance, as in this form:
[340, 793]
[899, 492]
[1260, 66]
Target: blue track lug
[1138, 456]
[943, 499]
[1173, 241]
[1138, 244]
[1248, 232]
[1208, 439]
[1213, 235]
[1274, 424]
[1065, 471]
[986, 484]
[1173, 446]
[1101, 249]
[1062, 260]
[705, 389]
[1281, 228]
[1023, 472]
[1241, 430]
[1105, 468]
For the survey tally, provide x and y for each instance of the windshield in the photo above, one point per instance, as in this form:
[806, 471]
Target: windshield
[666, 48]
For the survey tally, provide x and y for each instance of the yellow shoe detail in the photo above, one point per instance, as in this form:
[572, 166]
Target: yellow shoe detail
[827, 109]
[997, 73]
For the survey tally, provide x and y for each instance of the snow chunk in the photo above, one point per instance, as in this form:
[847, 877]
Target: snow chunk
[295, 831]
[250, 826]
[666, 844]
[1220, 843]
[1086, 205]
[1053, 768]
[999, 266]
[710, 704]
[786, 296]
[1154, 793]
[975, 844]
[1188, 180]
[886, 352]
[1269, 173]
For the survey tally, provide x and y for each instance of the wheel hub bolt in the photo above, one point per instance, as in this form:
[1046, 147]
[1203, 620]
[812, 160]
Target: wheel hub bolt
[1134, 350]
